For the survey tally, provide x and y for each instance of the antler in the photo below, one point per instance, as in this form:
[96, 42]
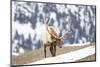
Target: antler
[53, 33]
[47, 20]
[50, 29]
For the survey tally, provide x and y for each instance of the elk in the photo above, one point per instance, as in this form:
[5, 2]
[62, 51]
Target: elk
[51, 39]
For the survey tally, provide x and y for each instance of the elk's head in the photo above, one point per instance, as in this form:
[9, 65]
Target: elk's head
[58, 43]
[60, 39]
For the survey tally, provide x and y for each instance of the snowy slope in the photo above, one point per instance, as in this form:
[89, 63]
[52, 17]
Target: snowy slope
[69, 57]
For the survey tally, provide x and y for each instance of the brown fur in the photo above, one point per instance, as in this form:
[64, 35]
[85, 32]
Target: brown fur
[52, 47]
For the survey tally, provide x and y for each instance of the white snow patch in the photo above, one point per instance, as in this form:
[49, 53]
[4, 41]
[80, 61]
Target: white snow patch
[76, 34]
[90, 10]
[38, 29]
[40, 5]
[53, 15]
[80, 44]
[24, 29]
[66, 10]
[13, 48]
[15, 54]
[87, 28]
[21, 50]
[87, 19]
[60, 8]
[82, 24]
[73, 8]
[81, 14]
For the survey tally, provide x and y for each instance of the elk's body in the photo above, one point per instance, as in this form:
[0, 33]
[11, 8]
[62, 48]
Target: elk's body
[50, 38]
[50, 41]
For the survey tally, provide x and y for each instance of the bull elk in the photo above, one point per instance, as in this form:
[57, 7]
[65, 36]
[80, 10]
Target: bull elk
[51, 39]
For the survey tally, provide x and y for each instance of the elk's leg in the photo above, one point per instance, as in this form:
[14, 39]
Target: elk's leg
[54, 50]
[51, 49]
[45, 50]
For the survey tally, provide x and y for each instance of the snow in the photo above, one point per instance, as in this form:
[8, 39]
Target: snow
[79, 44]
[82, 17]
[73, 8]
[66, 10]
[52, 15]
[28, 10]
[68, 57]
[87, 28]
[76, 34]
[60, 8]
[82, 24]
[13, 48]
[90, 10]
[38, 29]
[24, 29]
[40, 7]
[15, 54]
